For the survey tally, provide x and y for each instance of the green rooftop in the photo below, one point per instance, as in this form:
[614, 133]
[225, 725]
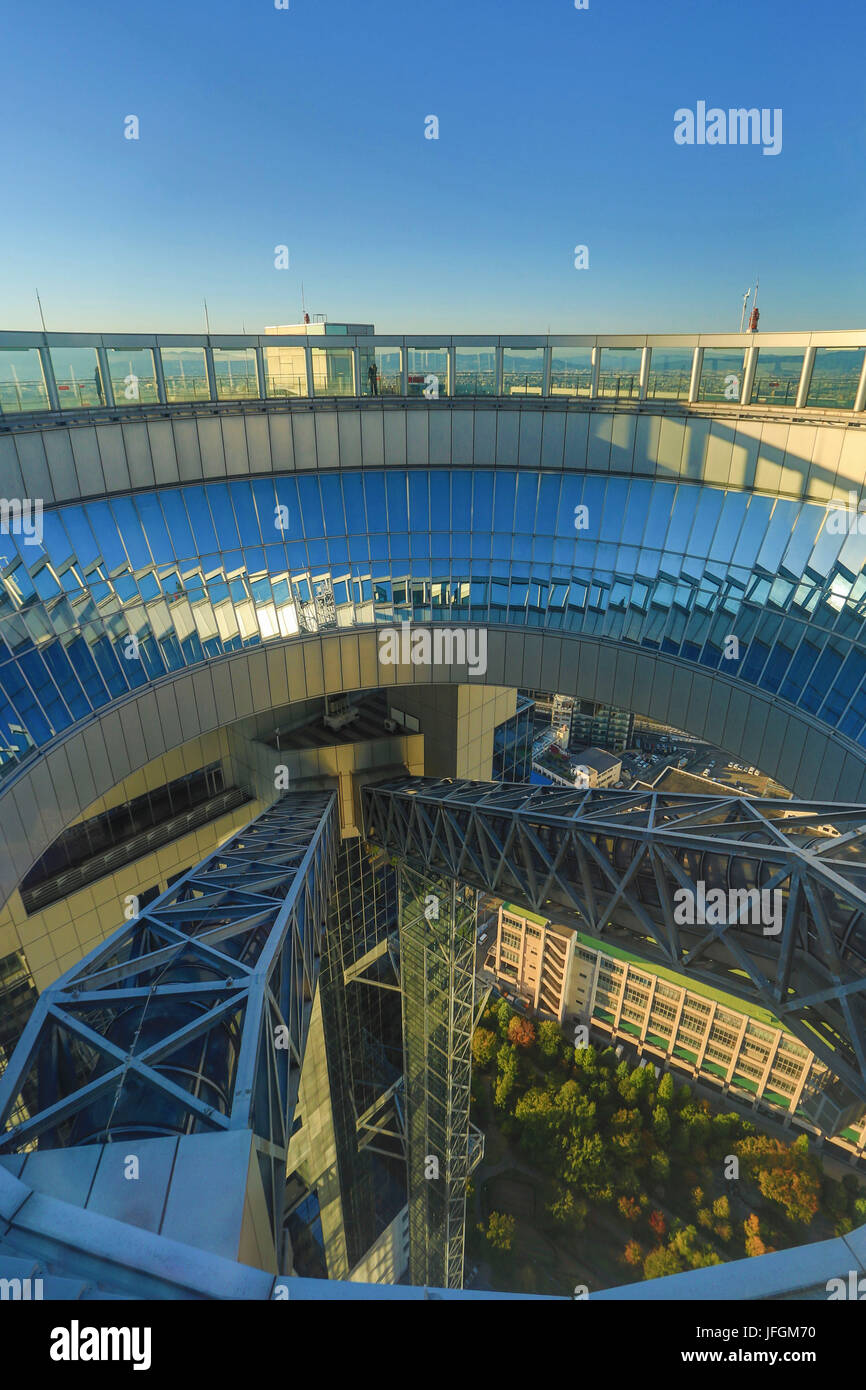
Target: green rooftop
[729, 1001]
[530, 916]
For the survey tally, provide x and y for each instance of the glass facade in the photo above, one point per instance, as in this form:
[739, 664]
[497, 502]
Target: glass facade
[428, 373]
[194, 572]
[236, 374]
[333, 373]
[94, 836]
[185, 374]
[512, 744]
[363, 1038]
[537, 368]
[475, 371]
[133, 375]
[619, 373]
[835, 376]
[22, 381]
[78, 378]
[522, 371]
[722, 374]
[571, 371]
[387, 379]
[777, 379]
[670, 372]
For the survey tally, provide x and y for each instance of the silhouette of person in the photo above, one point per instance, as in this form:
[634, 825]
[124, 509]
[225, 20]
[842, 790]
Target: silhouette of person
[373, 375]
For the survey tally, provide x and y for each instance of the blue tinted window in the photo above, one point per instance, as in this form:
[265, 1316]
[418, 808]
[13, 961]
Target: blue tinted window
[398, 503]
[374, 487]
[178, 525]
[200, 520]
[419, 503]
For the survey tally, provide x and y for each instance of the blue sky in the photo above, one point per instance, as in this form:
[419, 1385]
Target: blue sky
[305, 127]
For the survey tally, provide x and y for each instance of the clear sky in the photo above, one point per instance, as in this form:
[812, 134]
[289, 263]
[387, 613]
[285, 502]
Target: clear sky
[305, 127]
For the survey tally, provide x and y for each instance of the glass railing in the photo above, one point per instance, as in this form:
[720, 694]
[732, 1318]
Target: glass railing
[42, 373]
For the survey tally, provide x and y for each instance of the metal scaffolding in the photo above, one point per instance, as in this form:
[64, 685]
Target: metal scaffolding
[437, 955]
[193, 1017]
[614, 862]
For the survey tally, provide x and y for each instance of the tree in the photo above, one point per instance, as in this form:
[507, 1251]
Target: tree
[660, 1262]
[785, 1173]
[536, 1112]
[722, 1208]
[657, 1222]
[500, 1231]
[660, 1167]
[504, 1014]
[584, 1164]
[549, 1040]
[521, 1032]
[661, 1124]
[484, 1046]
[666, 1089]
[633, 1253]
[628, 1208]
[506, 1061]
[568, 1210]
[754, 1243]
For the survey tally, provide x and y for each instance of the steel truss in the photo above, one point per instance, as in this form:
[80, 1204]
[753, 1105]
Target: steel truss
[193, 1016]
[437, 956]
[612, 861]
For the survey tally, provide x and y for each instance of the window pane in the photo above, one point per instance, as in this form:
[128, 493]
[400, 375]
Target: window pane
[835, 377]
[235, 374]
[76, 371]
[286, 371]
[428, 372]
[670, 372]
[22, 385]
[185, 374]
[133, 377]
[777, 376]
[387, 378]
[571, 372]
[333, 372]
[522, 371]
[722, 374]
[475, 371]
[619, 373]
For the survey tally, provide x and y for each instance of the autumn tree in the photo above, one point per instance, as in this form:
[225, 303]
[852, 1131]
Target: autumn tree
[754, 1243]
[484, 1046]
[628, 1208]
[658, 1224]
[521, 1032]
[633, 1253]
